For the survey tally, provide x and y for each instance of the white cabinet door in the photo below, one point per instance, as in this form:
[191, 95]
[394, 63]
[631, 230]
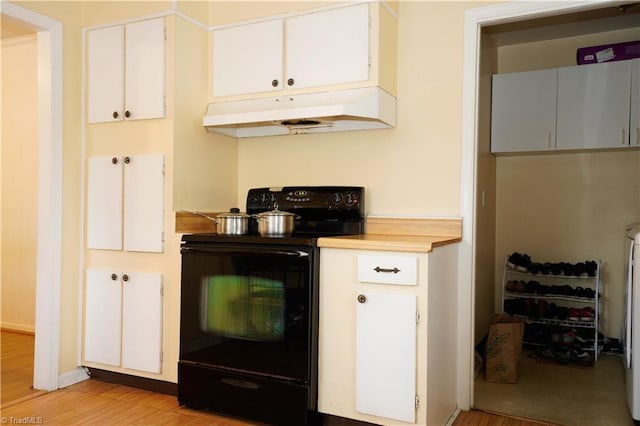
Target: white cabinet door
[126, 72]
[125, 203]
[145, 70]
[142, 322]
[327, 48]
[634, 130]
[523, 111]
[144, 203]
[104, 203]
[386, 355]
[103, 316]
[123, 319]
[594, 106]
[248, 58]
[105, 61]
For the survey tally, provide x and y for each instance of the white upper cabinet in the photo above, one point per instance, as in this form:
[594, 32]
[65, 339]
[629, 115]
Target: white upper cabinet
[634, 130]
[248, 58]
[125, 203]
[594, 106]
[310, 50]
[327, 48]
[523, 115]
[126, 72]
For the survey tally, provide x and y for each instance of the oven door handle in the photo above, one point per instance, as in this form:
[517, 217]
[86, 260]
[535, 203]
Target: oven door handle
[244, 250]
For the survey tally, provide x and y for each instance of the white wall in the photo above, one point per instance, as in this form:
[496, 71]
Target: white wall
[19, 182]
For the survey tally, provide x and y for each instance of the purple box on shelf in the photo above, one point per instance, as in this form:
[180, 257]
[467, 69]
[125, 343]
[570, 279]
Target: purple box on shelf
[609, 52]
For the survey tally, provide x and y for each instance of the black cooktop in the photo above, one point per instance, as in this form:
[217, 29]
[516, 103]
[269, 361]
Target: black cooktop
[320, 210]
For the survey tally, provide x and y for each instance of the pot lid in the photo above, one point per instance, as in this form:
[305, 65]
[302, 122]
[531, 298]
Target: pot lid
[275, 212]
[233, 212]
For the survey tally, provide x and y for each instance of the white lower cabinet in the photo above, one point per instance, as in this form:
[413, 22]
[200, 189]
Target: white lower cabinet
[387, 335]
[123, 319]
[386, 354]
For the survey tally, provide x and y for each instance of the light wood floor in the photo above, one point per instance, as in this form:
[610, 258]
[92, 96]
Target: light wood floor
[101, 403]
[16, 366]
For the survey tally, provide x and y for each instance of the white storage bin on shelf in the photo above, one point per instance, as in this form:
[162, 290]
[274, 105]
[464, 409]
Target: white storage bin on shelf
[560, 301]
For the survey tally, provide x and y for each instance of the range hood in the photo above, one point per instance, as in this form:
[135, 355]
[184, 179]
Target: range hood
[335, 111]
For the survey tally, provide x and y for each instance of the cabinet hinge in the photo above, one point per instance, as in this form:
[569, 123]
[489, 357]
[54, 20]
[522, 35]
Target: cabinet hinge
[164, 169]
[417, 401]
[417, 316]
[165, 33]
[162, 290]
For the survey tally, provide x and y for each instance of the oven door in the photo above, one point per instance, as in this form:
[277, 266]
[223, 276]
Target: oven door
[248, 309]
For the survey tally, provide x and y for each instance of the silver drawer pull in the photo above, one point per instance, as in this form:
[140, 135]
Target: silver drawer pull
[379, 269]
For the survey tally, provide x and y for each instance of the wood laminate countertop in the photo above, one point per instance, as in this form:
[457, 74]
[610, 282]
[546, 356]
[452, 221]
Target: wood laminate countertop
[420, 235]
[408, 243]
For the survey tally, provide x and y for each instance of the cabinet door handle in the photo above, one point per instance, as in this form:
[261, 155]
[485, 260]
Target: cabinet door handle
[379, 269]
[127, 160]
[362, 298]
[291, 82]
[127, 114]
[114, 277]
[274, 82]
[125, 277]
[114, 160]
[115, 114]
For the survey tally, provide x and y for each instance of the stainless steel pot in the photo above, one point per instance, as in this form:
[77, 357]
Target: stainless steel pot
[232, 223]
[276, 223]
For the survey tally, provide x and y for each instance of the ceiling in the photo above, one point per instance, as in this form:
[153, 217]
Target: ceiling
[622, 16]
[619, 17]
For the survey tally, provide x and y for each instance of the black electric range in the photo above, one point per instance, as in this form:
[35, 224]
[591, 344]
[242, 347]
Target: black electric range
[249, 308]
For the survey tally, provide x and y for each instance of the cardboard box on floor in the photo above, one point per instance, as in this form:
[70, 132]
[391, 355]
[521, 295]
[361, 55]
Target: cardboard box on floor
[503, 349]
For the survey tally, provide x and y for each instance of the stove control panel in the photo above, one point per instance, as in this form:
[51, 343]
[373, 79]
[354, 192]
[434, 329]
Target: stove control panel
[332, 200]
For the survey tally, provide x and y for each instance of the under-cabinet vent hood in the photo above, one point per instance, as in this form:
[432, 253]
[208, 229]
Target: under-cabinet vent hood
[353, 109]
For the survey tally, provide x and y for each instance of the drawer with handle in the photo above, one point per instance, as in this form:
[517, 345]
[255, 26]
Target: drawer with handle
[399, 270]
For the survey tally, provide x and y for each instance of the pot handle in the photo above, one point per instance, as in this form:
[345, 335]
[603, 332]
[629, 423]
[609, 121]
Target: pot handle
[213, 219]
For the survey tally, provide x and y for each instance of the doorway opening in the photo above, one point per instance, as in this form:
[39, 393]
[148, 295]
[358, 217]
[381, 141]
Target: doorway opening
[479, 190]
[49, 203]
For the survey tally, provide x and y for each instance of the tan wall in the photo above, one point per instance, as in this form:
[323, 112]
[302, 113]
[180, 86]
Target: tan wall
[412, 170]
[19, 182]
[571, 206]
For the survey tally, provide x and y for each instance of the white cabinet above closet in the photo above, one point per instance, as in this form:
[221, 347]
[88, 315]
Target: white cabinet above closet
[593, 105]
[523, 114]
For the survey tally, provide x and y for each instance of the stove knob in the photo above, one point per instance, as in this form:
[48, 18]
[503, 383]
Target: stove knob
[336, 198]
[264, 198]
[351, 199]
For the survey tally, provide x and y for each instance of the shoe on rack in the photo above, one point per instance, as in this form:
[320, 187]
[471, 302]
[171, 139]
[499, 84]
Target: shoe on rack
[587, 314]
[591, 266]
[568, 337]
[574, 314]
[580, 356]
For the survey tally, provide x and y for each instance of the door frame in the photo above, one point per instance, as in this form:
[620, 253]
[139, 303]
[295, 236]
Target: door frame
[474, 20]
[49, 216]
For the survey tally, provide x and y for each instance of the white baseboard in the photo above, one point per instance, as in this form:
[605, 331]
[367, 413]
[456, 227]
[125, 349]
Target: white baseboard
[76, 376]
[453, 417]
